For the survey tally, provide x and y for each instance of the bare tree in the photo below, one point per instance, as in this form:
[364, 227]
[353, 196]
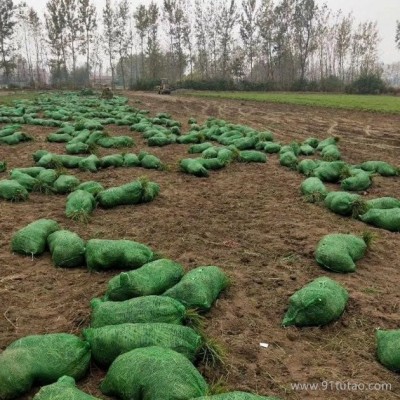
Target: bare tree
[122, 35]
[110, 37]
[7, 23]
[153, 46]
[74, 29]
[397, 38]
[141, 24]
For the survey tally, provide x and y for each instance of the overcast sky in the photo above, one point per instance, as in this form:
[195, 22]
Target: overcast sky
[385, 12]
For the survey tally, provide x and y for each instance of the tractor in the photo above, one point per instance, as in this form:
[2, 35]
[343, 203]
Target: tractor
[164, 87]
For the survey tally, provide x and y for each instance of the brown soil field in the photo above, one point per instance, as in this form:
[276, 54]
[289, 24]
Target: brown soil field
[248, 219]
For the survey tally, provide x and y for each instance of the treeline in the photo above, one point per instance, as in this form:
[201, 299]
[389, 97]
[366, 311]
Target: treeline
[202, 44]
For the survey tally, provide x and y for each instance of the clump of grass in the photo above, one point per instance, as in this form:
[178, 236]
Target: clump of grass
[194, 319]
[218, 386]
[79, 216]
[42, 187]
[369, 238]
[212, 354]
[316, 197]
[360, 207]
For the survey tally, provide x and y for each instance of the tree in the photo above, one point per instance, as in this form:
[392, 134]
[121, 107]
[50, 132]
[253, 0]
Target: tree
[141, 24]
[153, 46]
[7, 23]
[265, 22]
[73, 28]
[398, 34]
[122, 35]
[110, 37]
[343, 42]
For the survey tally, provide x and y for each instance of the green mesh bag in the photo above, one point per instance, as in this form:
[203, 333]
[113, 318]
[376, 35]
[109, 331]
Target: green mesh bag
[339, 252]
[91, 164]
[68, 161]
[91, 187]
[307, 167]
[25, 180]
[59, 138]
[161, 140]
[48, 177]
[128, 194]
[318, 303]
[288, 159]
[313, 189]
[152, 278]
[63, 389]
[31, 171]
[266, 136]
[67, 249]
[272, 147]
[343, 203]
[226, 155]
[77, 148]
[236, 396]
[114, 160]
[147, 309]
[383, 203]
[211, 163]
[80, 205]
[41, 359]
[307, 150]
[199, 148]
[388, 348]
[116, 254]
[327, 142]
[15, 138]
[380, 167]
[65, 184]
[313, 142]
[331, 153]
[249, 156]
[32, 239]
[151, 162]
[359, 181]
[108, 342]
[150, 191]
[12, 190]
[49, 160]
[388, 219]
[199, 288]
[211, 152]
[245, 143]
[194, 167]
[172, 376]
[116, 142]
[131, 160]
[330, 171]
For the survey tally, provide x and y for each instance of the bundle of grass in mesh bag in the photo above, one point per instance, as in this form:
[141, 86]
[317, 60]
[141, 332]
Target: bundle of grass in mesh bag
[150, 161]
[115, 142]
[41, 359]
[194, 167]
[249, 156]
[211, 152]
[307, 150]
[172, 376]
[152, 278]
[80, 205]
[59, 138]
[358, 181]
[380, 167]
[15, 138]
[288, 159]
[311, 141]
[108, 342]
[227, 155]
[272, 147]
[128, 194]
[27, 181]
[327, 142]
[331, 153]
[317, 303]
[64, 389]
[32, 239]
[199, 148]
[344, 203]
[116, 254]
[313, 189]
[131, 160]
[161, 140]
[383, 203]
[199, 288]
[211, 163]
[388, 348]
[339, 252]
[65, 184]
[31, 171]
[236, 396]
[388, 218]
[46, 180]
[146, 309]
[307, 166]
[67, 249]
[114, 160]
[12, 191]
[91, 163]
[331, 171]
[91, 187]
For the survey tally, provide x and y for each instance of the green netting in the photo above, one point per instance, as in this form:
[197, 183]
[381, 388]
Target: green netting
[388, 348]
[39, 154]
[199, 148]
[150, 191]
[226, 155]
[245, 143]
[331, 153]
[338, 252]
[359, 181]
[272, 148]
[236, 396]
[32, 239]
[193, 166]
[151, 162]
[80, 204]
[327, 142]
[318, 303]
[31, 171]
[128, 194]
[211, 163]
[172, 376]
[199, 288]
[313, 142]
[116, 142]
[59, 138]
[91, 187]
[114, 160]
[65, 184]
[252, 156]
[15, 138]
[293, 147]
[307, 167]
[153, 278]
[211, 152]
[288, 159]
[307, 150]
[77, 148]
[330, 171]
[313, 189]
[131, 160]
[383, 203]
[190, 138]
[146, 309]
[12, 190]
[108, 342]
[380, 167]
[67, 249]
[69, 161]
[388, 219]
[25, 180]
[41, 359]
[343, 203]
[91, 163]
[116, 254]
[266, 136]
[161, 140]
[63, 389]
[48, 177]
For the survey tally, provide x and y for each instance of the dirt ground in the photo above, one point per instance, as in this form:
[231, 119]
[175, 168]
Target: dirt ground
[252, 222]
